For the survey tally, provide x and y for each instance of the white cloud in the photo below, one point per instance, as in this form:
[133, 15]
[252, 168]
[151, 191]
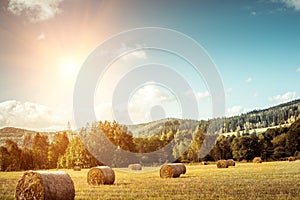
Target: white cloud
[292, 4]
[228, 91]
[30, 116]
[199, 95]
[202, 95]
[35, 10]
[253, 13]
[283, 98]
[298, 70]
[152, 93]
[235, 110]
[147, 103]
[139, 54]
[248, 80]
[149, 97]
[42, 36]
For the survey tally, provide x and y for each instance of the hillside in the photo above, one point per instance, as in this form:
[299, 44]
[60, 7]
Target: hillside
[155, 128]
[285, 113]
[17, 135]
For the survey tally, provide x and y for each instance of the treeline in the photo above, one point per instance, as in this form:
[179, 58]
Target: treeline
[274, 144]
[173, 140]
[186, 135]
[39, 153]
[286, 113]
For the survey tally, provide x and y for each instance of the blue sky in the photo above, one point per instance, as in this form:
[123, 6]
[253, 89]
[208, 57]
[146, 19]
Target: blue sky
[254, 44]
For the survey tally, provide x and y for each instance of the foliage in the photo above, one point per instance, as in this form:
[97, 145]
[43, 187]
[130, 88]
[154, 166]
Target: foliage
[77, 155]
[274, 144]
[286, 113]
[191, 137]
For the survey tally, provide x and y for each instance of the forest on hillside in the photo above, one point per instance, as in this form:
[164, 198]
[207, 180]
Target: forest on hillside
[39, 153]
[179, 140]
[282, 114]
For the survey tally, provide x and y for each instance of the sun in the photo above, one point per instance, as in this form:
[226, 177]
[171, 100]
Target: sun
[69, 68]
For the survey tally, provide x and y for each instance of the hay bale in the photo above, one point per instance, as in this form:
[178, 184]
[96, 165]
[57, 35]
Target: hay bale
[183, 168]
[204, 163]
[231, 162]
[101, 175]
[172, 170]
[222, 164]
[77, 168]
[135, 167]
[257, 160]
[45, 185]
[291, 158]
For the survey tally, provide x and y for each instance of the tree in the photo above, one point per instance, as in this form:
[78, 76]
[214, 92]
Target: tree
[4, 159]
[40, 147]
[57, 148]
[26, 159]
[246, 147]
[14, 155]
[77, 155]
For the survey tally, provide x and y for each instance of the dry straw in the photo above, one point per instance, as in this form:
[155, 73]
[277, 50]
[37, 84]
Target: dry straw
[222, 164]
[291, 158]
[135, 167]
[231, 162]
[77, 168]
[35, 185]
[101, 175]
[257, 160]
[172, 170]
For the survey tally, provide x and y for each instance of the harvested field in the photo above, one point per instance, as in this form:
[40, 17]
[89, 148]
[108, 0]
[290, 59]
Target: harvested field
[270, 181]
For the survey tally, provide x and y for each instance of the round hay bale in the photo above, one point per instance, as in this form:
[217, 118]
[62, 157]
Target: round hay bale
[77, 168]
[257, 160]
[231, 162]
[172, 170]
[101, 175]
[45, 185]
[291, 158]
[222, 164]
[135, 167]
[204, 163]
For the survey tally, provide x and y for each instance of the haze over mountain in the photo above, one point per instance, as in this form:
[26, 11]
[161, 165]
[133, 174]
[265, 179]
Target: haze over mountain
[282, 114]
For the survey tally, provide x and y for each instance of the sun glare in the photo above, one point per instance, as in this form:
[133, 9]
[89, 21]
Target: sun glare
[70, 68]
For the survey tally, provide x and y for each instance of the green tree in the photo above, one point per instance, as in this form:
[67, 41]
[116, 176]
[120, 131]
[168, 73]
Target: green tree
[246, 147]
[77, 155]
[14, 155]
[40, 147]
[4, 159]
[26, 159]
[57, 148]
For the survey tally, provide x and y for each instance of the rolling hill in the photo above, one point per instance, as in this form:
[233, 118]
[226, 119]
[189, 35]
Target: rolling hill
[285, 113]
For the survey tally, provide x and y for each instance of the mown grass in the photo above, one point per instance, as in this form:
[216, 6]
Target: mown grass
[272, 180]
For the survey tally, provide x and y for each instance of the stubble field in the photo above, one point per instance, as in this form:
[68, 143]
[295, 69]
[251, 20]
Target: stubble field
[272, 180]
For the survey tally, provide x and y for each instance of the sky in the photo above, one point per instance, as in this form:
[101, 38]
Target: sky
[45, 44]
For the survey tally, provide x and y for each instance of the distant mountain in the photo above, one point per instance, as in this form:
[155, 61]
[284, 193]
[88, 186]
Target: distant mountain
[282, 114]
[17, 135]
[285, 113]
[157, 127]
